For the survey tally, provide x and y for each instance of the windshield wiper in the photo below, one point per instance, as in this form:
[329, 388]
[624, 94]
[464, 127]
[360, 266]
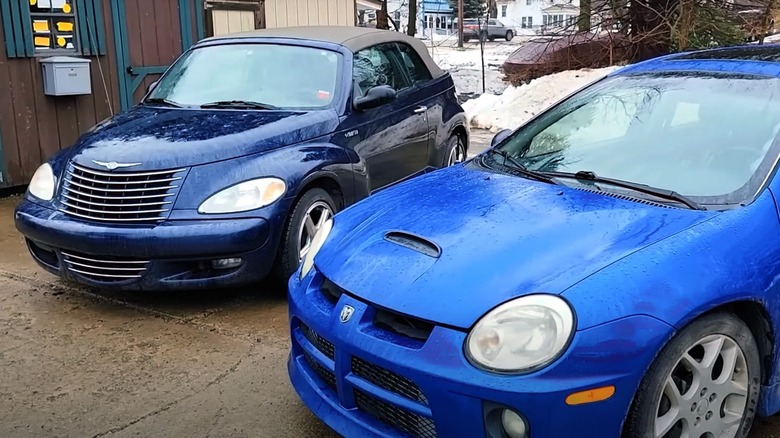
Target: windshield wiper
[239, 104]
[643, 188]
[161, 101]
[519, 168]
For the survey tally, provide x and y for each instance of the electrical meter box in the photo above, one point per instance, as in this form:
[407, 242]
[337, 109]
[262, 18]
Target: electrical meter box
[66, 76]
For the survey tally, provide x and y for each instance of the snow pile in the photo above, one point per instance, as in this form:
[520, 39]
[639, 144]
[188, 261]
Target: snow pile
[465, 65]
[517, 105]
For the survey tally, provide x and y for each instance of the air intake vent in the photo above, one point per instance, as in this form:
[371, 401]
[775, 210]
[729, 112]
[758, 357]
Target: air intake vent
[625, 198]
[414, 243]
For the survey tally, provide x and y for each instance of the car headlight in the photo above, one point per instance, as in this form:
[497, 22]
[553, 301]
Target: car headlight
[42, 184]
[521, 335]
[245, 196]
[316, 244]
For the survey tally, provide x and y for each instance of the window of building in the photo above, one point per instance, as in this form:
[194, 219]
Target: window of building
[50, 27]
[54, 26]
[503, 11]
[530, 22]
[528, 2]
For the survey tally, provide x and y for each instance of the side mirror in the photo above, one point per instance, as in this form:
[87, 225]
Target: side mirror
[375, 97]
[151, 87]
[501, 136]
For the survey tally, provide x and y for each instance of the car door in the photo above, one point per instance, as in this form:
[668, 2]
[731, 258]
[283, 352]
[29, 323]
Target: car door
[390, 140]
[422, 86]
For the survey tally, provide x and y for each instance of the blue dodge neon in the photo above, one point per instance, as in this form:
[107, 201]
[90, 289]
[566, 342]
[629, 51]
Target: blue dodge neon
[608, 269]
[238, 155]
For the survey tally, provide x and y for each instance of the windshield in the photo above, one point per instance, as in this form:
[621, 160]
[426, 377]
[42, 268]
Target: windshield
[283, 76]
[707, 137]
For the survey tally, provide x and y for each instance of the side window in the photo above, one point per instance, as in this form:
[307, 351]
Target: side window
[376, 66]
[417, 69]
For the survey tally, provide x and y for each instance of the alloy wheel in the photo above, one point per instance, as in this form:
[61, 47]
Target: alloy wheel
[706, 393]
[456, 154]
[316, 215]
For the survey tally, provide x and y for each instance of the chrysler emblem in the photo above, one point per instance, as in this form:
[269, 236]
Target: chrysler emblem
[346, 313]
[111, 165]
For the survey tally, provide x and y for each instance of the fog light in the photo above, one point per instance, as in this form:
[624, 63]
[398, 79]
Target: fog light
[514, 425]
[226, 263]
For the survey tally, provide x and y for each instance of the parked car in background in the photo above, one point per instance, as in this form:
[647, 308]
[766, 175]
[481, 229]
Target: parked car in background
[221, 176]
[607, 270]
[486, 30]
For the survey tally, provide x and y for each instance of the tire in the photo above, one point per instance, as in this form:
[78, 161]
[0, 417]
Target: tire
[466, 39]
[701, 338]
[455, 149]
[491, 38]
[509, 35]
[287, 259]
[483, 36]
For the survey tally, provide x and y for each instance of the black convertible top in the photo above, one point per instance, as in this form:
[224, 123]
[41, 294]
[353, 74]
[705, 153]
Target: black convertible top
[352, 37]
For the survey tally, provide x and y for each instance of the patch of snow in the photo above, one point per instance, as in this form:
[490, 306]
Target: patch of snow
[517, 105]
[465, 64]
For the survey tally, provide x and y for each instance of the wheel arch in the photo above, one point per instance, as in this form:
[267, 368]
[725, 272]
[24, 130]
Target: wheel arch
[324, 180]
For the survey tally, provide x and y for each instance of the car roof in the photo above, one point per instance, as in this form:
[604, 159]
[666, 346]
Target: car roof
[750, 59]
[351, 37]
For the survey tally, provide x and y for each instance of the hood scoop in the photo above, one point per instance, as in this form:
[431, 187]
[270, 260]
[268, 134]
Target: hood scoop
[415, 243]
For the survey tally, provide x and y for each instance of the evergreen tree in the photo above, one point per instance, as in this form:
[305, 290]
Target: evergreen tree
[471, 8]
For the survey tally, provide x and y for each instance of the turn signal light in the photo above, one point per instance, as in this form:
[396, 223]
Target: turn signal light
[590, 396]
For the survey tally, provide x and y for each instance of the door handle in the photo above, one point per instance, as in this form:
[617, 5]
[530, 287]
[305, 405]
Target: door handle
[420, 109]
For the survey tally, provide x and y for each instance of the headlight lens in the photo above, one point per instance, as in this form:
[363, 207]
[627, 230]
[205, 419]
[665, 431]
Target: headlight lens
[522, 335]
[245, 196]
[316, 244]
[43, 183]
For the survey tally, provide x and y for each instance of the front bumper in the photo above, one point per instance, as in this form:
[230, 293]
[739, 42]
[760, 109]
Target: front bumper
[364, 380]
[175, 254]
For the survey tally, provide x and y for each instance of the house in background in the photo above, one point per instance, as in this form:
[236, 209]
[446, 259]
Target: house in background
[535, 17]
[113, 49]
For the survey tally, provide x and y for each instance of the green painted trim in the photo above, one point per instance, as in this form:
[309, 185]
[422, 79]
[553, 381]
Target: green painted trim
[119, 18]
[16, 23]
[185, 18]
[97, 10]
[82, 23]
[8, 31]
[200, 19]
[142, 72]
[27, 32]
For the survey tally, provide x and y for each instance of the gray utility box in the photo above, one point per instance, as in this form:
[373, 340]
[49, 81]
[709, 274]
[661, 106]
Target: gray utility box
[66, 76]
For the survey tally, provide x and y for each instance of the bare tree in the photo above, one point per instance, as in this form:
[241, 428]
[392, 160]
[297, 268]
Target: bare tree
[381, 16]
[411, 29]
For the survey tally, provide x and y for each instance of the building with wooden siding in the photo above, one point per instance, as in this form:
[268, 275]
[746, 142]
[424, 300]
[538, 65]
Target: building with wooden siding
[128, 44]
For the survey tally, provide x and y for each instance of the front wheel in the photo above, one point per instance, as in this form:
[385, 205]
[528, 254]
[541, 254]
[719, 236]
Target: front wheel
[308, 215]
[509, 35]
[704, 383]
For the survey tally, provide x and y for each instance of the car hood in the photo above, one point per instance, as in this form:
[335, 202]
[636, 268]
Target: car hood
[162, 138]
[499, 236]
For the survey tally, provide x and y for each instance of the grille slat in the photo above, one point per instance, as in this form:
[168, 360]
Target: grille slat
[109, 182]
[388, 380]
[127, 197]
[320, 343]
[106, 271]
[323, 373]
[413, 424]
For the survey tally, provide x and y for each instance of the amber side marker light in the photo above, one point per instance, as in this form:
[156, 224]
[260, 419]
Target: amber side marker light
[590, 396]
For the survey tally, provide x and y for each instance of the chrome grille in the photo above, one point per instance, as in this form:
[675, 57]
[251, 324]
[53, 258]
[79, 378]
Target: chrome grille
[129, 197]
[105, 269]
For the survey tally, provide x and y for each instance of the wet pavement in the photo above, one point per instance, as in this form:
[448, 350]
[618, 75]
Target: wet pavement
[81, 363]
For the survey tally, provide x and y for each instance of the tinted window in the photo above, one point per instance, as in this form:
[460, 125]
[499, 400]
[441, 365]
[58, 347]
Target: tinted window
[291, 77]
[378, 65]
[417, 69]
[712, 138]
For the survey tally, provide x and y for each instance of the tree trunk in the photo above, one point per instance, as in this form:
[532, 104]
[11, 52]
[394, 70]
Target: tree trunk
[411, 29]
[584, 23]
[381, 17]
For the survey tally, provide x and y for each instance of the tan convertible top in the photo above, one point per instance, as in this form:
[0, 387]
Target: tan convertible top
[352, 37]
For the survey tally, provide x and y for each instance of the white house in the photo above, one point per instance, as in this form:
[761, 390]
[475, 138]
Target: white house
[531, 17]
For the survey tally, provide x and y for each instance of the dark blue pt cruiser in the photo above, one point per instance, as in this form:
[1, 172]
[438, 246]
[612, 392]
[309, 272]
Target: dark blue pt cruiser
[235, 158]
